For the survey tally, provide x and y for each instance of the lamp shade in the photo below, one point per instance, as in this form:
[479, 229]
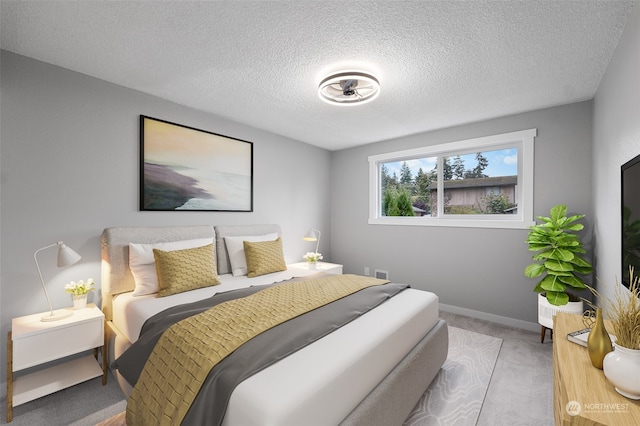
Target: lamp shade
[313, 235]
[66, 256]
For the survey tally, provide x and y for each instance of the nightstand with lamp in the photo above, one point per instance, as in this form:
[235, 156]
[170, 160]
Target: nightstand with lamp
[316, 267]
[41, 338]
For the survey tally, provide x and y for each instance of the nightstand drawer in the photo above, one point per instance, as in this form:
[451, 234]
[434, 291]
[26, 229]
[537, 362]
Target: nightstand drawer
[36, 342]
[328, 268]
[37, 348]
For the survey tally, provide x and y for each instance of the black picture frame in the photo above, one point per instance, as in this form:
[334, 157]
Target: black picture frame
[187, 169]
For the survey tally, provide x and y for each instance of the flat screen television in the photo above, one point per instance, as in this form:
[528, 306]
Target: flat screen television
[630, 189]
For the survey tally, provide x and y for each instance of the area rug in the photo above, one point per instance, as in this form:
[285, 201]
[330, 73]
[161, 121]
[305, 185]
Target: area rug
[456, 394]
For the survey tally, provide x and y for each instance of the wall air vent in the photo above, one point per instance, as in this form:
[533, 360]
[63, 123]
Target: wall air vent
[383, 275]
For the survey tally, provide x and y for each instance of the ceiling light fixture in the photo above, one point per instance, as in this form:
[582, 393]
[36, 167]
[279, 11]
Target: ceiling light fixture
[349, 88]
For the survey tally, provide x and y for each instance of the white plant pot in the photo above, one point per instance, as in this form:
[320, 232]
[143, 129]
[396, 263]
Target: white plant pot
[546, 311]
[312, 265]
[80, 301]
[622, 368]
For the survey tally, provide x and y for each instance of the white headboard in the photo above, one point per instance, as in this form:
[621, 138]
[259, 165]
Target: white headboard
[116, 276]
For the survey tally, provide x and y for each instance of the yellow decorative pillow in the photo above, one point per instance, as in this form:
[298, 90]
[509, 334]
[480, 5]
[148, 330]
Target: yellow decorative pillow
[264, 257]
[184, 270]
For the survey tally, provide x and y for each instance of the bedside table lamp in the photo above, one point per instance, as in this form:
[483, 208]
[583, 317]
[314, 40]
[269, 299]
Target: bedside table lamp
[313, 235]
[66, 257]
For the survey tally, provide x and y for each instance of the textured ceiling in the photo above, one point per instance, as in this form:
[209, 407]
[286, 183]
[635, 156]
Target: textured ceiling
[439, 63]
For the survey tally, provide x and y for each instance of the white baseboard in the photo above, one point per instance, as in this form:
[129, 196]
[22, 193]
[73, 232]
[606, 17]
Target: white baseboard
[511, 322]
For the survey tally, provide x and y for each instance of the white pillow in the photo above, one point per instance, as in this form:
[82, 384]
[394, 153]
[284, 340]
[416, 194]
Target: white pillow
[235, 251]
[143, 265]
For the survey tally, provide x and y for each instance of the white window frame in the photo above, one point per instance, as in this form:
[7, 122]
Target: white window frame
[523, 140]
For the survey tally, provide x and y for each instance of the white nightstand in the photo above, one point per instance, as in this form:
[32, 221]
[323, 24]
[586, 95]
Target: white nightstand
[32, 342]
[329, 268]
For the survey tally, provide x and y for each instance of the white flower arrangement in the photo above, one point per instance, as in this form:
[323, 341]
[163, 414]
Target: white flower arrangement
[312, 257]
[79, 288]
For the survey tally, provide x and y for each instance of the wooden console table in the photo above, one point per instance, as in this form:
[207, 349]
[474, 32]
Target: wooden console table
[582, 395]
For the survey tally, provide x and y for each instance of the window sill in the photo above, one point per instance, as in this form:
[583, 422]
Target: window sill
[454, 222]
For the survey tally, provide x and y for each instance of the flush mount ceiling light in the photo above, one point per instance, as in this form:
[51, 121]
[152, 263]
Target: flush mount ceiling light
[349, 88]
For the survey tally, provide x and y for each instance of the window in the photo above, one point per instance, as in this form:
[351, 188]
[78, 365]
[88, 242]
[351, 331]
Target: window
[483, 182]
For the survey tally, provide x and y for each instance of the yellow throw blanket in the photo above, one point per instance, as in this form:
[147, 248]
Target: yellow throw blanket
[189, 349]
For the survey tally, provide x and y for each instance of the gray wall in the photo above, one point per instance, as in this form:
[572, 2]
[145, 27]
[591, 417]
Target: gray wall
[69, 168]
[616, 140]
[478, 272]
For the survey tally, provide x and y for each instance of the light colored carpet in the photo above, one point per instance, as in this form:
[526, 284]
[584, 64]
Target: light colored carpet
[85, 404]
[457, 393]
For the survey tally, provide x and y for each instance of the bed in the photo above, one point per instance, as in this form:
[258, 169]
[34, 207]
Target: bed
[401, 344]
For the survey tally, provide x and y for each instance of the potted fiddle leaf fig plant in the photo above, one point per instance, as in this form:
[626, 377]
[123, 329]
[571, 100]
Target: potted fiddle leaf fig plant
[559, 263]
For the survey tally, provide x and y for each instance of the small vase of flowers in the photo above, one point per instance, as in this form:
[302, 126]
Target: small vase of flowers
[312, 259]
[79, 290]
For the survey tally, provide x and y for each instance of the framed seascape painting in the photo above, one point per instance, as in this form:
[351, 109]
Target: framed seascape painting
[183, 168]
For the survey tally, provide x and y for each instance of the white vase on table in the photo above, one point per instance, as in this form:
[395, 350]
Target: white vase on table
[622, 368]
[79, 301]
